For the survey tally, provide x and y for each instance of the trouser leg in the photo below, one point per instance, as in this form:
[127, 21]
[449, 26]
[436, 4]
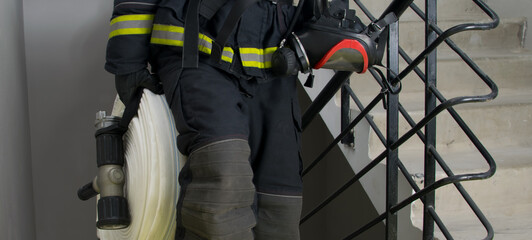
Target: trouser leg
[278, 217]
[218, 193]
[210, 107]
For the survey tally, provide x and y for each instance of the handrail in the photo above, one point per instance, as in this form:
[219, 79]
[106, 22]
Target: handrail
[339, 80]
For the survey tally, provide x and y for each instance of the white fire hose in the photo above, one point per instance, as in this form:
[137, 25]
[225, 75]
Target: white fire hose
[152, 167]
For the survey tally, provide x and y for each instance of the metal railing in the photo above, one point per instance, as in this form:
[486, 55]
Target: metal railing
[435, 103]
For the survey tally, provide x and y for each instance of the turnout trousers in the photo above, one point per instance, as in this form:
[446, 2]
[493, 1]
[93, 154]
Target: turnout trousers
[242, 179]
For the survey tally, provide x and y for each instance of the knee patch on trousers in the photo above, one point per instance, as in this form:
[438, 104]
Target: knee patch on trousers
[217, 200]
[278, 217]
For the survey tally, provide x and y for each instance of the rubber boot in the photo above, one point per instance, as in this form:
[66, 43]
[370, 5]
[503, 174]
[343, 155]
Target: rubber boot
[218, 193]
[278, 217]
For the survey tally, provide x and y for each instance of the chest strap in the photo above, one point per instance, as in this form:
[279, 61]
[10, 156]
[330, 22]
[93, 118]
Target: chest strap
[207, 9]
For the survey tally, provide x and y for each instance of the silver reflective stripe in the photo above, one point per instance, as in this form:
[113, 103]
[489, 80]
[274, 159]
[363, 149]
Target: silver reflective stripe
[257, 57]
[174, 36]
[267, 57]
[131, 24]
[137, 3]
[167, 35]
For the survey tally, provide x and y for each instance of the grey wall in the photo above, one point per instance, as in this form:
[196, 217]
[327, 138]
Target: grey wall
[16, 197]
[65, 51]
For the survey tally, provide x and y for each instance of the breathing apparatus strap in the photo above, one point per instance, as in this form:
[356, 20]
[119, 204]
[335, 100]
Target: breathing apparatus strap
[229, 26]
[207, 9]
[131, 110]
[378, 32]
[191, 40]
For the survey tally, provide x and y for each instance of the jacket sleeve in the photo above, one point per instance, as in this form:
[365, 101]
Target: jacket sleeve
[129, 37]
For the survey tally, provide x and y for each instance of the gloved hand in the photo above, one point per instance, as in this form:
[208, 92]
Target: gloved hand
[127, 84]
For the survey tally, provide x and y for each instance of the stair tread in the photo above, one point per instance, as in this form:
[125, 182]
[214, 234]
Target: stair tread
[508, 225]
[449, 9]
[448, 54]
[413, 104]
[515, 157]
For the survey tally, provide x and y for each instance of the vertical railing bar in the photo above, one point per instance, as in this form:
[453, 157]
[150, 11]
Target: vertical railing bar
[345, 108]
[430, 128]
[345, 114]
[392, 133]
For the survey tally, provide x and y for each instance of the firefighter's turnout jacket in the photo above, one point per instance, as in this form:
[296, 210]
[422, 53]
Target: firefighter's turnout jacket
[145, 31]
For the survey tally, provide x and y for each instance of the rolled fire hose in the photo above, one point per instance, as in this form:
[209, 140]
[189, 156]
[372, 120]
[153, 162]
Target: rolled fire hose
[152, 167]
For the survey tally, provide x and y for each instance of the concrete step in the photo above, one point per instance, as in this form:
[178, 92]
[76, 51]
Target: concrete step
[448, 9]
[505, 199]
[508, 35]
[501, 122]
[508, 69]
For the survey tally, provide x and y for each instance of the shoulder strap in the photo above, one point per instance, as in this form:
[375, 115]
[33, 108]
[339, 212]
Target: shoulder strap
[378, 31]
[229, 26]
[207, 9]
[191, 40]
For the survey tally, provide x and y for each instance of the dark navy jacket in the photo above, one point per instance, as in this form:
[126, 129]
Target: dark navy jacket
[152, 31]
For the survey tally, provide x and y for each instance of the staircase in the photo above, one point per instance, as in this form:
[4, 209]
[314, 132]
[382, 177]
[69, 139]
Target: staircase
[502, 125]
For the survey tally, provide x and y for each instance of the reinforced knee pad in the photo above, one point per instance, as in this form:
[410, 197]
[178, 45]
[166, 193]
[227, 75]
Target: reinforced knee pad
[219, 193]
[278, 217]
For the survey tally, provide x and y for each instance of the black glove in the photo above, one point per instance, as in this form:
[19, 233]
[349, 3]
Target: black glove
[127, 84]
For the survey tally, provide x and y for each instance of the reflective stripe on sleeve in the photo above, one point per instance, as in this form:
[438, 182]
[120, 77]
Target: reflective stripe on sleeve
[131, 25]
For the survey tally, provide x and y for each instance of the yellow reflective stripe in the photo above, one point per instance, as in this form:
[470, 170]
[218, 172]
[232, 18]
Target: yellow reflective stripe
[173, 36]
[168, 28]
[129, 31]
[257, 57]
[228, 58]
[168, 42]
[205, 44]
[257, 64]
[258, 51]
[167, 35]
[131, 25]
[132, 17]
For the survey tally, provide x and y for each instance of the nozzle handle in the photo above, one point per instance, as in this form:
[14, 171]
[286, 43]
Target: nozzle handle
[86, 192]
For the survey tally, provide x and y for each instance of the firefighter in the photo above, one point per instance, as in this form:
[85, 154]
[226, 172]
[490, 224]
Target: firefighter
[238, 124]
